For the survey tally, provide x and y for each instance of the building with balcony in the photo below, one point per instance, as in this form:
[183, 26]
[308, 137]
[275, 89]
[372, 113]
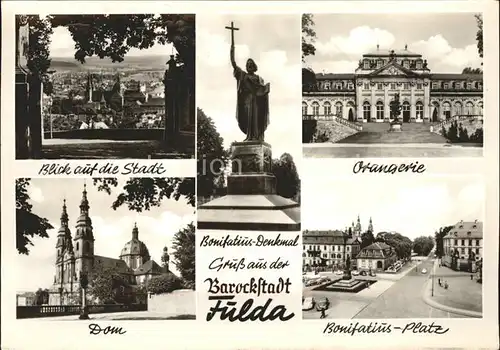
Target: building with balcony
[365, 95]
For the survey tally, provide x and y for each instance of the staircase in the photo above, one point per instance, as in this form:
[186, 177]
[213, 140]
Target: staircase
[332, 128]
[411, 133]
[470, 122]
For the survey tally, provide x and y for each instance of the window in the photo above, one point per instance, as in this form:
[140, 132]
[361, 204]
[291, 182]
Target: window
[419, 86]
[477, 242]
[304, 108]
[406, 64]
[447, 110]
[406, 86]
[315, 107]
[393, 86]
[477, 251]
[480, 109]
[327, 107]
[366, 110]
[326, 85]
[462, 250]
[469, 108]
[420, 110]
[324, 247]
[379, 86]
[77, 246]
[419, 64]
[380, 110]
[366, 86]
[350, 85]
[435, 85]
[366, 64]
[463, 242]
[469, 86]
[338, 109]
[458, 111]
[456, 242]
[338, 86]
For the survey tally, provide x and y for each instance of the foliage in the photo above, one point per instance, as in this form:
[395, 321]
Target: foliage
[144, 193]
[108, 285]
[308, 36]
[165, 283]
[309, 82]
[402, 245]
[28, 224]
[212, 159]
[479, 34]
[367, 238]
[457, 133]
[438, 237]
[42, 296]
[423, 245]
[184, 252]
[287, 178]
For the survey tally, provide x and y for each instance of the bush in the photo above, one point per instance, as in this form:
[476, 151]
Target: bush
[166, 283]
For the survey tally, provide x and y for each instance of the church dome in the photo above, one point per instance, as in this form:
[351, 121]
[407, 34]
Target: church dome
[135, 247]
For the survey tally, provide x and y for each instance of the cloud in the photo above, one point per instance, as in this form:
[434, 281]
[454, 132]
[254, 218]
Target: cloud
[360, 40]
[36, 194]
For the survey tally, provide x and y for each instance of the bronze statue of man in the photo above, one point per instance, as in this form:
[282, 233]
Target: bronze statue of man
[252, 111]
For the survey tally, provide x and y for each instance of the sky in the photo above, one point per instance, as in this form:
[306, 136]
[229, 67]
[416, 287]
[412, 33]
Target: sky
[273, 41]
[112, 229]
[411, 205]
[447, 41]
[62, 45]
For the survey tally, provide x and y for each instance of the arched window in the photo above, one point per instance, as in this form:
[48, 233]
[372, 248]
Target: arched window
[326, 85]
[469, 108]
[327, 107]
[367, 109]
[447, 110]
[406, 110]
[420, 109]
[304, 108]
[380, 110]
[339, 256]
[338, 109]
[315, 107]
[480, 107]
[458, 108]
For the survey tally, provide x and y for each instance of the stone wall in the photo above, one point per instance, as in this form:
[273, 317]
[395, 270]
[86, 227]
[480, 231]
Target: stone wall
[179, 302]
[325, 131]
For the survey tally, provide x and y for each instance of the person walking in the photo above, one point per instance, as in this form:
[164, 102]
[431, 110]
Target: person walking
[323, 312]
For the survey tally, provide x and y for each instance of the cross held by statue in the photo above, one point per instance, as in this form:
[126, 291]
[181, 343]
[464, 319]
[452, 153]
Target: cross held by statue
[232, 28]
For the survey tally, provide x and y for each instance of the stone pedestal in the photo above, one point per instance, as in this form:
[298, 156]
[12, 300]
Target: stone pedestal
[396, 127]
[251, 202]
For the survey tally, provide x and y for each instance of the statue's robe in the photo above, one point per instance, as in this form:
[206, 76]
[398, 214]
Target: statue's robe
[252, 111]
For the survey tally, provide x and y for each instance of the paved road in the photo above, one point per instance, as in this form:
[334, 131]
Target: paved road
[379, 151]
[404, 299]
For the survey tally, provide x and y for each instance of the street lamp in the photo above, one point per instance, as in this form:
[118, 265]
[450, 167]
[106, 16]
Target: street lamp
[84, 314]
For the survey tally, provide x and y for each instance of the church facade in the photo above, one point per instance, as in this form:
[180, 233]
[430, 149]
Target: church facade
[365, 95]
[75, 255]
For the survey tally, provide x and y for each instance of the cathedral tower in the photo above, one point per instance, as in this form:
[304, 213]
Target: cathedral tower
[90, 88]
[84, 238]
[358, 226]
[135, 253]
[62, 240]
[370, 225]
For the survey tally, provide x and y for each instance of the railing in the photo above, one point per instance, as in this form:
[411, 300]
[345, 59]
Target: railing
[107, 134]
[332, 117]
[65, 310]
[458, 118]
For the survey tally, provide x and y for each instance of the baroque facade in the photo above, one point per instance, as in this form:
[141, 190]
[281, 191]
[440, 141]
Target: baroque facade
[330, 248]
[76, 254]
[365, 95]
[463, 245]
[377, 256]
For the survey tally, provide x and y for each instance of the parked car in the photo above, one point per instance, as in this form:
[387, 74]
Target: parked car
[322, 303]
[308, 304]
[339, 272]
[355, 272]
[363, 273]
[424, 271]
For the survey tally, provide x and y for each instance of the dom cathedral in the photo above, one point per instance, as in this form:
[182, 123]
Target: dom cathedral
[365, 95]
[76, 254]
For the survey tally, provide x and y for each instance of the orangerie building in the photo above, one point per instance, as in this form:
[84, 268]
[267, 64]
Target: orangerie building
[365, 95]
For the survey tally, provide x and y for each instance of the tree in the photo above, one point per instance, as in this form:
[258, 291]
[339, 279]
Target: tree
[212, 159]
[423, 245]
[42, 296]
[438, 237]
[308, 36]
[479, 34]
[366, 239]
[402, 245]
[143, 193]
[165, 283]
[287, 178]
[108, 285]
[184, 253]
[470, 70]
[28, 224]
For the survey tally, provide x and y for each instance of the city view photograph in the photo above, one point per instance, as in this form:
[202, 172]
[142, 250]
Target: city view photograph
[105, 86]
[406, 250]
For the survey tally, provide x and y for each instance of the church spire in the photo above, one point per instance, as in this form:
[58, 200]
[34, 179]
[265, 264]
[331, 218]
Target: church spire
[370, 225]
[135, 232]
[90, 87]
[84, 204]
[84, 224]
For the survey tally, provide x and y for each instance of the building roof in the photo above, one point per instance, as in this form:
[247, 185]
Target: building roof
[150, 267]
[375, 251]
[325, 76]
[456, 76]
[110, 263]
[326, 237]
[387, 52]
[466, 229]
[154, 101]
